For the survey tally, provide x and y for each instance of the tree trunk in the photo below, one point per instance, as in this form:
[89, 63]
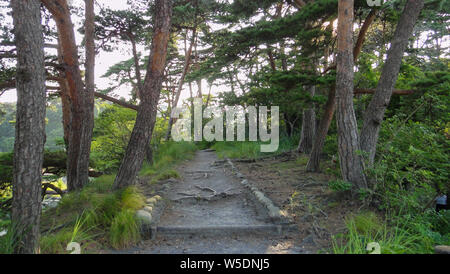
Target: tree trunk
[65, 100]
[330, 106]
[322, 131]
[308, 126]
[136, 67]
[375, 112]
[140, 88]
[352, 166]
[88, 97]
[187, 64]
[146, 116]
[81, 114]
[30, 125]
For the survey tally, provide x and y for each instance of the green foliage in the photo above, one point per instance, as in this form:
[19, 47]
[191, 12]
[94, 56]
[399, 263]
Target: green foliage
[124, 229]
[112, 131]
[163, 175]
[132, 199]
[242, 150]
[173, 152]
[413, 165]
[6, 173]
[165, 158]
[9, 240]
[339, 185]
[94, 214]
[404, 234]
[251, 150]
[53, 126]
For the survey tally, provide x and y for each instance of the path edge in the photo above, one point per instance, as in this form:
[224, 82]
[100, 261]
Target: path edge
[275, 213]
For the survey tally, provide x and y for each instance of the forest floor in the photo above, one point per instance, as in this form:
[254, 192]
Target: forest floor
[209, 211]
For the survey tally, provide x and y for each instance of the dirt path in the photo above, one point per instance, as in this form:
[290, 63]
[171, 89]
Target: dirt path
[210, 211]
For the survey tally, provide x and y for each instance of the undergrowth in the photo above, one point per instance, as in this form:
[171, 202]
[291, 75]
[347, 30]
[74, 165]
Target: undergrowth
[401, 234]
[96, 217]
[251, 150]
[165, 158]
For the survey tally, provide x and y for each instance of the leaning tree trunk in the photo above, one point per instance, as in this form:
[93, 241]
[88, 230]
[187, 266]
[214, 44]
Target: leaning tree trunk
[30, 125]
[321, 133]
[377, 107]
[308, 126]
[352, 166]
[146, 116]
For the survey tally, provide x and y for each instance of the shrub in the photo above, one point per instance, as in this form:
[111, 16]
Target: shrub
[339, 185]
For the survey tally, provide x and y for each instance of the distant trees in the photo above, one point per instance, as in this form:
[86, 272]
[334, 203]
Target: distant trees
[30, 125]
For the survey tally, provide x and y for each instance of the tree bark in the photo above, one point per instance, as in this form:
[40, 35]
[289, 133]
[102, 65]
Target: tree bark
[88, 105]
[30, 125]
[321, 133]
[146, 116]
[330, 106]
[80, 126]
[65, 100]
[377, 107]
[308, 126]
[352, 166]
[362, 33]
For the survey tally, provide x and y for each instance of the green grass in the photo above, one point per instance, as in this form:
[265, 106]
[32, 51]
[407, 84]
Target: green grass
[251, 150]
[124, 229]
[166, 157]
[403, 235]
[164, 175]
[7, 242]
[95, 215]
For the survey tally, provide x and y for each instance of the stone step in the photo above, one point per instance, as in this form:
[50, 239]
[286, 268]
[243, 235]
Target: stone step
[269, 229]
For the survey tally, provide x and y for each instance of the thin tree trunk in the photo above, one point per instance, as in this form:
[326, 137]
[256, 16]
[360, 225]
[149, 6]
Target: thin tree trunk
[308, 127]
[362, 33]
[352, 166]
[146, 116]
[321, 133]
[65, 100]
[136, 67]
[187, 64]
[81, 125]
[88, 104]
[377, 107]
[30, 125]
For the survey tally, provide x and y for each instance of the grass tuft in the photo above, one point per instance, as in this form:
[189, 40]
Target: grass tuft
[125, 230]
[96, 214]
